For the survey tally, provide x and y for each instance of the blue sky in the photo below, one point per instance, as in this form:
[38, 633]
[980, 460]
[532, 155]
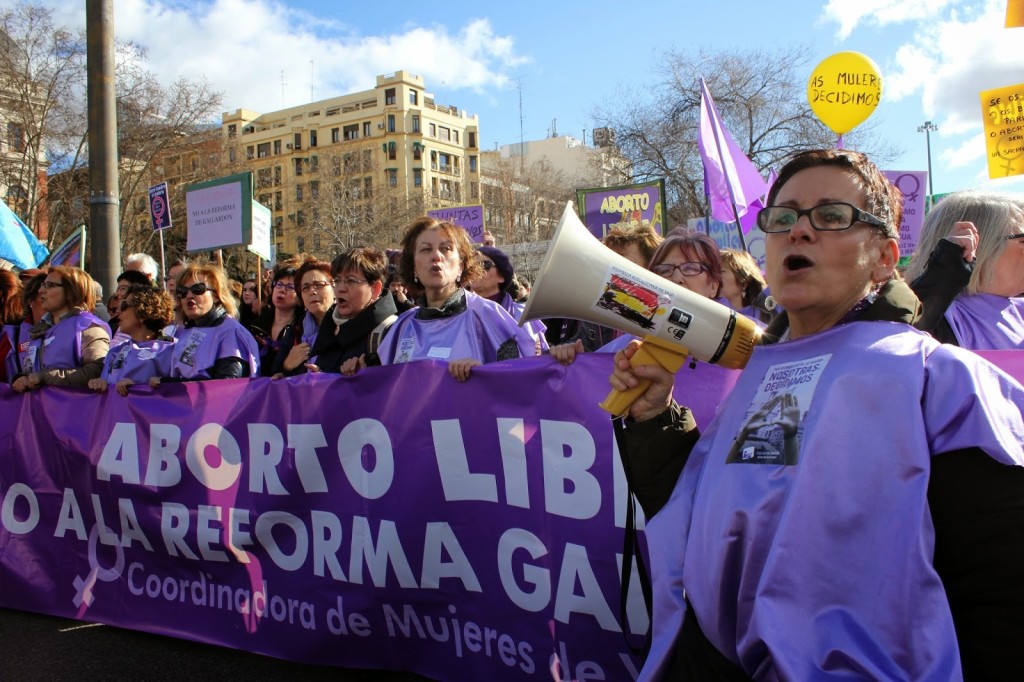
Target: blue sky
[566, 58]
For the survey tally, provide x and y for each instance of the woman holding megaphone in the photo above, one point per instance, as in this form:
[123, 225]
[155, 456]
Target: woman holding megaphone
[853, 508]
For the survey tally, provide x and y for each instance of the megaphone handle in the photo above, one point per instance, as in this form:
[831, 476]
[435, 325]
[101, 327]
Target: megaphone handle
[652, 351]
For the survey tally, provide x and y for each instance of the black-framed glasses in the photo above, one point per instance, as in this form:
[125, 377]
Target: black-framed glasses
[487, 265]
[315, 285]
[1019, 235]
[284, 285]
[47, 284]
[197, 289]
[691, 269]
[829, 217]
[348, 281]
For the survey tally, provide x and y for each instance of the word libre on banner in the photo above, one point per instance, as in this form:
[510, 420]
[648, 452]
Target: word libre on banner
[483, 547]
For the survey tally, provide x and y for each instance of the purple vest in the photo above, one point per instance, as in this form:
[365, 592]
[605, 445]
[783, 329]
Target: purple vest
[987, 321]
[800, 526]
[198, 348]
[61, 346]
[477, 333]
[138, 361]
[535, 327]
[19, 360]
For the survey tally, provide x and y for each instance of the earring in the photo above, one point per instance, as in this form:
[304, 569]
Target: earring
[416, 278]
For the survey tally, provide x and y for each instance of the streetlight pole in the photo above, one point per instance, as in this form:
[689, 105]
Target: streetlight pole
[928, 128]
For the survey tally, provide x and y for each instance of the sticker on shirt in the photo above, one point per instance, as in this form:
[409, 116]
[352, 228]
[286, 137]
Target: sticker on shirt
[638, 301]
[28, 358]
[773, 426]
[439, 353]
[119, 359]
[405, 349]
[188, 354]
[147, 354]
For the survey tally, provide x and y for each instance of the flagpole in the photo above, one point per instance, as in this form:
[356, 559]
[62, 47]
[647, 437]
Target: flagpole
[732, 197]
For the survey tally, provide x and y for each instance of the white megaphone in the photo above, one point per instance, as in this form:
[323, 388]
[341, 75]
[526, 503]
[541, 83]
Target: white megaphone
[582, 279]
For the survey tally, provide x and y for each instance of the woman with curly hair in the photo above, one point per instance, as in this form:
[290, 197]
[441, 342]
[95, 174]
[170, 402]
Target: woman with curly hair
[144, 312]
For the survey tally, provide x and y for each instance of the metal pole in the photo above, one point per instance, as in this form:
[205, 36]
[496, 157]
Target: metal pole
[927, 129]
[103, 193]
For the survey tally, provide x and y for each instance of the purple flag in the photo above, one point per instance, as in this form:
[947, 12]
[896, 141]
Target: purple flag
[731, 179]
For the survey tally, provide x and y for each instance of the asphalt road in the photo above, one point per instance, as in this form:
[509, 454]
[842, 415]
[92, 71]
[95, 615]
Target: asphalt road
[36, 647]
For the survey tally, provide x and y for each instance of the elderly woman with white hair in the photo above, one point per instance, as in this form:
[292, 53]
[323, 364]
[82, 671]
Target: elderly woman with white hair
[968, 271]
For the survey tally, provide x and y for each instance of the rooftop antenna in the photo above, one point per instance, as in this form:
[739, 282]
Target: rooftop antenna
[554, 127]
[522, 143]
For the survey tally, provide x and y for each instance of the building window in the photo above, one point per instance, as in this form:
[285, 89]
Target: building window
[300, 220]
[413, 98]
[389, 96]
[352, 132]
[391, 123]
[367, 159]
[277, 176]
[250, 152]
[16, 137]
[392, 177]
[314, 189]
[417, 151]
[312, 138]
[392, 151]
[316, 242]
[335, 135]
[231, 155]
[277, 202]
[368, 187]
[417, 177]
[444, 134]
[298, 140]
[472, 139]
[433, 130]
[472, 164]
[474, 190]
[298, 192]
[455, 136]
[314, 163]
[300, 244]
[298, 166]
[277, 147]
[415, 123]
[232, 131]
[267, 200]
[366, 128]
[263, 177]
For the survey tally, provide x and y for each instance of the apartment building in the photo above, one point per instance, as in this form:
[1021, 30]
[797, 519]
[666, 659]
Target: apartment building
[355, 169]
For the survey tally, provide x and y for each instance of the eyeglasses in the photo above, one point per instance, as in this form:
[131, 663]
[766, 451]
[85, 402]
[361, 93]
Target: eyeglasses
[315, 285]
[284, 285]
[197, 289]
[348, 282]
[487, 265]
[1019, 235]
[829, 217]
[691, 269]
[47, 284]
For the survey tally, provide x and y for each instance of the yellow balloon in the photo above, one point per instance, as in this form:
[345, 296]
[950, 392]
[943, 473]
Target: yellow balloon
[844, 90]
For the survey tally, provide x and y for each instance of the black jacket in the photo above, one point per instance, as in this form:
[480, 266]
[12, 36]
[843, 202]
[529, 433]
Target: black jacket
[335, 344]
[977, 506]
[944, 277]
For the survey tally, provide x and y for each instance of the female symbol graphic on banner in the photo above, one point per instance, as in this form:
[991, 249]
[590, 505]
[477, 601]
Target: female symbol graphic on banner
[158, 208]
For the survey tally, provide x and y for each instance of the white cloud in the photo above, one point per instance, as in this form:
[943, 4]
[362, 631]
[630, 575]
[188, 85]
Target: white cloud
[849, 14]
[265, 56]
[967, 154]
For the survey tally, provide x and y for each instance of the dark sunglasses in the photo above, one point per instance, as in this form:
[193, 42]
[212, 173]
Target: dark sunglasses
[197, 289]
[125, 306]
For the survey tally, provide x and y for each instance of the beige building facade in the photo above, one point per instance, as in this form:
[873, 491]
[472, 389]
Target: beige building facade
[354, 169]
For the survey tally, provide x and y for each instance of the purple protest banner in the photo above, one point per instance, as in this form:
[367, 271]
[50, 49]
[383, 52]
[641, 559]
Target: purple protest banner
[913, 185]
[362, 521]
[604, 208]
[469, 218]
